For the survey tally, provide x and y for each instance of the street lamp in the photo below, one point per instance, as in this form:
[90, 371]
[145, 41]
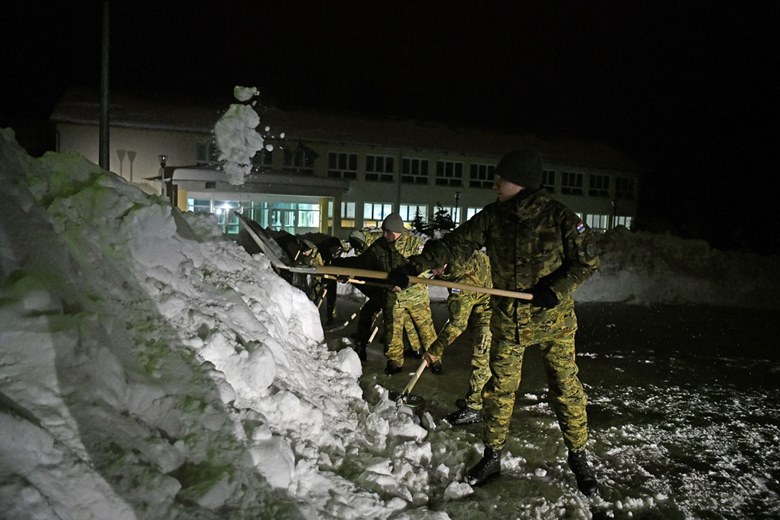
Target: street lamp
[163, 160]
[457, 200]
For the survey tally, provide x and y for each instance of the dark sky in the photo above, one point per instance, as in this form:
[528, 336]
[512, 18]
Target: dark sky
[689, 91]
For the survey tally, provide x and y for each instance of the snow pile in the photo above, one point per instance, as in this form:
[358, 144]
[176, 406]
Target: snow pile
[645, 268]
[149, 369]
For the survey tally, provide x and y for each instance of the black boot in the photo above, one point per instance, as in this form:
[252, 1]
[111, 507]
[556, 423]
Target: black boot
[465, 416]
[586, 482]
[392, 368]
[489, 466]
[362, 354]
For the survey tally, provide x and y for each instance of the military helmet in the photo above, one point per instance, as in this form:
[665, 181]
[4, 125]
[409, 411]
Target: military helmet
[522, 167]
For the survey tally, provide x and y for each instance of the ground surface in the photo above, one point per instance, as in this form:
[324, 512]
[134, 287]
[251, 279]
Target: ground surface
[684, 407]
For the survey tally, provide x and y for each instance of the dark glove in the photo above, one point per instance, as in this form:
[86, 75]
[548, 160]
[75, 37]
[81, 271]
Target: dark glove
[543, 297]
[400, 275]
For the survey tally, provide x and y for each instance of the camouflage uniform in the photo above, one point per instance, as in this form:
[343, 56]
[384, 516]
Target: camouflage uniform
[530, 239]
[413, 303]
[469, 309]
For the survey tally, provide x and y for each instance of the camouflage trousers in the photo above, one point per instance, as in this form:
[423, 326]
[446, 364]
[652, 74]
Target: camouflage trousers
[469, 311]
[414, 313]
[516, 326]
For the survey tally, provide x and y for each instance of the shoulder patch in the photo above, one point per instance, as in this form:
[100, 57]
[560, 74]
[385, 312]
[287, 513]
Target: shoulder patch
[580, 226]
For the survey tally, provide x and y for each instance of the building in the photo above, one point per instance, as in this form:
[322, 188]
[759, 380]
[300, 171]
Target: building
[335, 172]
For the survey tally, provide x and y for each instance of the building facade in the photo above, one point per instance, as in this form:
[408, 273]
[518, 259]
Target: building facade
[333, 173]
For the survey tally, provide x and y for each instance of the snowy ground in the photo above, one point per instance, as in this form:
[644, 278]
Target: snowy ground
[683, 411]
[151, 369]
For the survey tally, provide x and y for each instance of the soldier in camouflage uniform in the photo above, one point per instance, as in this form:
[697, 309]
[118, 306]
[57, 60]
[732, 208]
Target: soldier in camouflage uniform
[467, 309]
[413, 303]
[537, 245]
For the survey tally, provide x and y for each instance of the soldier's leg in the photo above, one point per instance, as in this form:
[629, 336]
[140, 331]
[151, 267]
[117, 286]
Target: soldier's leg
[568, 398]
[498, 396]
[330, 301]
[420, 312]
[394, 316]
[480, 357]
[411, 334]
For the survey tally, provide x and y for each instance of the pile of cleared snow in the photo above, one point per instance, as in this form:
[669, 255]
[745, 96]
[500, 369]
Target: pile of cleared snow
[646, 268]
[151, 368]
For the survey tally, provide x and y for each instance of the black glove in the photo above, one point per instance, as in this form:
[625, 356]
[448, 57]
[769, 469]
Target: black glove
[543, 296]
[400, 275]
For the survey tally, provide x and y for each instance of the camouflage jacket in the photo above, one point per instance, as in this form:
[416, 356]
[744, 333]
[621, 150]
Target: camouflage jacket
[382, 255]
[529, 239]
[474, 271]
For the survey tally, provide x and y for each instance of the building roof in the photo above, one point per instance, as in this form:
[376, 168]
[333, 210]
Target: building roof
[186, 114]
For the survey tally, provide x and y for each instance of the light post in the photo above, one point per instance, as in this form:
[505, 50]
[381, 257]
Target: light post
[457, 214]
[614, 213]
[163, 160]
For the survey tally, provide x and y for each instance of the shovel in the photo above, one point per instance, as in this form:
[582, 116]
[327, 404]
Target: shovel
[406, 398]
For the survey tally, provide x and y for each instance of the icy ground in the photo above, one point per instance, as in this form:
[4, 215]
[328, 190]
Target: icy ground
[151, 369]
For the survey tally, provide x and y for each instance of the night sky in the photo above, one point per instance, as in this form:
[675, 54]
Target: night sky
[689, 92]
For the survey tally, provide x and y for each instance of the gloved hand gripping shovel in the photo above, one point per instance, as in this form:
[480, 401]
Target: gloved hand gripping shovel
[412, 401]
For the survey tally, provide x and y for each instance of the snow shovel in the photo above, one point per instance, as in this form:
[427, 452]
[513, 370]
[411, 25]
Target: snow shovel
[412, 401]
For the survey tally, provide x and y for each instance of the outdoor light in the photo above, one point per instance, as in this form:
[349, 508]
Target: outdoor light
[163, 160]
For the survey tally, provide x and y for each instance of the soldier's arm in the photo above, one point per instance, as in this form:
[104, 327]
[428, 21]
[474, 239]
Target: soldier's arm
[580, 255]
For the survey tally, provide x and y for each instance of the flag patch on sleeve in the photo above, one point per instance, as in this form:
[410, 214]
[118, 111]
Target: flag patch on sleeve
[580, 226]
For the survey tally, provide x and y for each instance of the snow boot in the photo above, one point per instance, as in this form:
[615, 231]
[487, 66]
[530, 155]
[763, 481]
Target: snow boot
[392, 368]
[586, 482]
[488, 467]
[465, 416]
[362, 354]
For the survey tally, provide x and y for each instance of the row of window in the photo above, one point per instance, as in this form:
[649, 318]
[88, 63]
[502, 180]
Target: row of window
[304, 217]
[382, 168]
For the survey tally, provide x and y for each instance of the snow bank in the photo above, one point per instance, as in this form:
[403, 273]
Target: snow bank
[645, 268]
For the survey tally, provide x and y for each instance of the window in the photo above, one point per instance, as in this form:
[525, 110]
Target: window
[621, 220]
[482, 176]
[207, 152]
[449, 173]
[599, 185]
[414, 171]
[379, 168]
[375, 212]
[299, 160]
[624, 187]
[342, 165]
[408, 212]
[470, 212]
[308, 216]
[222, 209]
[262, 161]
[571, 183]
[347, 214]
[597, 222]
[548, 180]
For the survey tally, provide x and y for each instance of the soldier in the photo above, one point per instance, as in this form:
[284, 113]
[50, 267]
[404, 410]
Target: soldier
[467, 310]
[386, 253]
[537, 245]
[330, 248]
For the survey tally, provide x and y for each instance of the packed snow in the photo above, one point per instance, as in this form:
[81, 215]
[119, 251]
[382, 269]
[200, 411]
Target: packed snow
[150, 368]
